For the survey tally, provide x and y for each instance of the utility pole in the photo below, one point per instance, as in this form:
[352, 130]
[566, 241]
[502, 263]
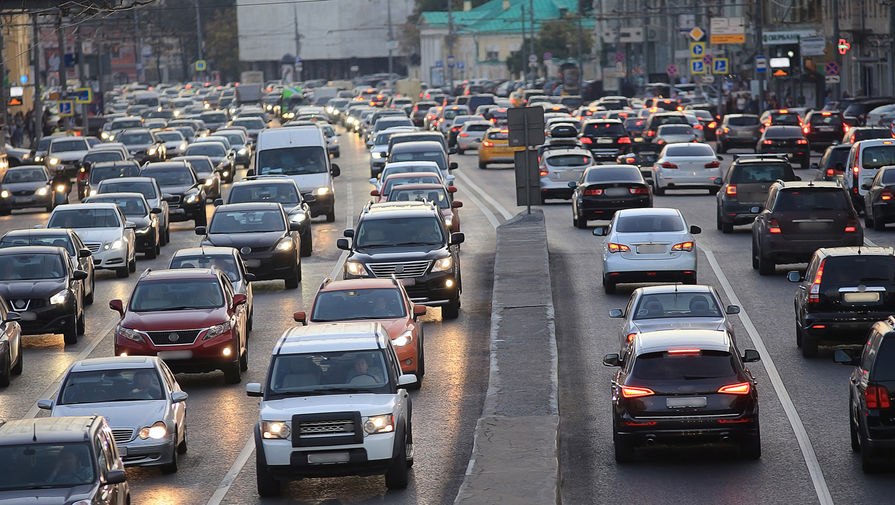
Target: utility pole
[759, 47]
[35, 61]
[199, 43]
[138, 46]
[3, 98]
[79, 54]
[450, 62]
[391, 37]
[298, 64]
[891, 47]
[531, 40]
[837, 58]
[523, 70]
[60, 37]
[580, 60]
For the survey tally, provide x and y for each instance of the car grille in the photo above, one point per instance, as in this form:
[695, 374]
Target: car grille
[400, 269]
[23, 193]
[123, 435]
[93, 246]
[336, 426]
[28, 303]
[173, 337]
[173, 200]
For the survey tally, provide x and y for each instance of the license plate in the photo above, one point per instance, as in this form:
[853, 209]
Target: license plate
[687, 402]
[122, 451]
[651, 249]
[813, 226]
[28, 316]
[253, 263]
[824, 128]
[755, 210]
[174, 355]
[604, 140]
[866, 297]
[638, 139]
[324, 458]
[615, 191]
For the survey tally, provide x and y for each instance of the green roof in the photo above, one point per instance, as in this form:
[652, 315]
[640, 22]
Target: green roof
[491, 17]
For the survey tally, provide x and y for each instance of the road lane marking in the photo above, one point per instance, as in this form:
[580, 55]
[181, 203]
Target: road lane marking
[870, 242]
[485, 210]
[814, 470]
[484, 194]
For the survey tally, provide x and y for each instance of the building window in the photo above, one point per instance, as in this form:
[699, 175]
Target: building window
[492, 53]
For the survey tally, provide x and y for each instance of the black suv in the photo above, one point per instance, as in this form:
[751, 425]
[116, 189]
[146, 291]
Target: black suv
[744, 188]
[832, 164]
[662, 118]
[879, 200]
[181, 189]
[823, 128]
[787, 140]
[843, 292]
[410, 241]
[871, 418]
[799, 218]
[860, 133]
[282, 190]
[605, 138]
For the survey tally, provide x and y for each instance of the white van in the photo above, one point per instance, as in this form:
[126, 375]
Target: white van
[300, 153]
[864, 160]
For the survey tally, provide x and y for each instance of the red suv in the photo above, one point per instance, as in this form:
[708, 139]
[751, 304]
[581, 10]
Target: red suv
[191, 318]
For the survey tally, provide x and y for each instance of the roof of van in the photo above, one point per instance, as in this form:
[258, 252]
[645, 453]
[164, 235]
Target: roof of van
[298, 136]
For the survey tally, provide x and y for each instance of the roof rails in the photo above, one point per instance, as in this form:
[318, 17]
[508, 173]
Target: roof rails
[145, 272]
[778, 156]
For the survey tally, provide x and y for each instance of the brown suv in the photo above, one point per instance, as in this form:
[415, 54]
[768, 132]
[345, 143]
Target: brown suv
[799, 218]
[738, 130]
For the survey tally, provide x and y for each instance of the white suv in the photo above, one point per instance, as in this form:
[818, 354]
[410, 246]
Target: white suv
[334, 404]
[104, 230]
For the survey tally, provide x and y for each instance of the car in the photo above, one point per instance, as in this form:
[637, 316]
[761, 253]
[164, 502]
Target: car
[418, 113]
[252, 124]
[240, 143]
[675, 133]
[397, 179]
[869, 400]
[864, 160]
[39, 152]
[343, 383]
[410, 241]
[684, 385]
[844, 291]
[780, 117]
[686, 166]
[387, 122]
[112, 129]
[26, 186]
[11, 358]
[558, 168]
[139, 398]
[191, 318]
[800, 217]
[175, 142]
[737, 130]
[823, 127]
[219, 155]
[227, 259]
[435, 193]
[143, 145]
[78, 253]
[456, 124]
[445, 116]
[402, 167]
[283, 190]
[602, 190]
[788, 140]
[203, 167]
[214, 119]
[647, 245]
[66, 153]
[377, 300]
[149, 188]
[136, 210]
[878, 200]
[417, 136]
[378, 145]
[831, 166]
[92, 158]
[860, 133]
[41, 284]
[103, 170]
[181, 188]
[69, 460]
[105, 231]
[657, 119]
[495, 148]
[605, 138]
[422, 151]
[270, 244]
[664, 307]
[744, 188]
[706, 119]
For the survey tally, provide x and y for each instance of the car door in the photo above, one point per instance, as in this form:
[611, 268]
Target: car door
[128, 235]
[801, 296]
[174, 387]
[13, 333]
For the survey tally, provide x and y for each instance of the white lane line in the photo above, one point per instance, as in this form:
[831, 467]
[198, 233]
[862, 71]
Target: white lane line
[870, 242]
[51, 390]
[484, 194]
[485, 210]
[817, 476]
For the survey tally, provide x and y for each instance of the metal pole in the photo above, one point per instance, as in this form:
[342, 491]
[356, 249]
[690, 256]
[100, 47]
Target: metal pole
[525, 167]
[79, 54]
[450, 62]
[580, 61]
[4, 100]
[759, 48]
[199, 43]
[531, 40]
[138, 53]
[298, 67]
[524, 69]
[35, 57]
[391, 37]
[60, 37]
[837, 58]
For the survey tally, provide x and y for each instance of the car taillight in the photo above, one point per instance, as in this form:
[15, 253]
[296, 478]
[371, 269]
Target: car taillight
[814, 290]
[726, 130]
[487, 143]
[586, 140]
[885, 196]
[638, 191]
[807, 129]
[668, 164]
[831, 172]
[741, 388]
[593, 192]
[846, 128]
[767, 142]
[455, 129]
[614, 248]
[543, 172]
[856, 169]
[650, 133]
[630, 160]
[697, 126]
[713, 124]
[636, 392]
[464, 134]
[712, 164]
[683, 246]
[731, 190]
[624, 140]
[802, 141]
[876, 396]
[630, 337]
[851, 226]
[773, 226]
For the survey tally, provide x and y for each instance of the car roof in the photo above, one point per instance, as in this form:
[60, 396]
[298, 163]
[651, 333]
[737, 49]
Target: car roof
[405, 175]
[419, 145]
[276, 179]
[385, 209]
[364, 283]
[160, 165]
[47, 429]
[674, 288]
[178, 273]
[114, 363]
[332, 337]
[206, 250]
[809, 184]
[874, 143]
[651, 211]
[32, 249]
[80, 206]
[36, 232]
[250, 206]
[135, 178]
[419, 185]
[663, 340]
[856, 251]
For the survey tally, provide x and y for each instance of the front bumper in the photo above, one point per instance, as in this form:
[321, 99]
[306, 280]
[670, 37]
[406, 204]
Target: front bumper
[200, 356]
[50, 319]
[111, 259]
[373, 457]
[270, 265]
[147, 452]
[320, 204]
[24, 201]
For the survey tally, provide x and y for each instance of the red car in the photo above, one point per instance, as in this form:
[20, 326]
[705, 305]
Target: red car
[191, 318]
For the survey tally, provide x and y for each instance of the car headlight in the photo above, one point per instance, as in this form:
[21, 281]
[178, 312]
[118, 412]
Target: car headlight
[299, 217]
[376, 155]
[275, 429]
[156, 431]
[443, 264]
[183, 146]
[355, 268]
[111, 138]
[176, 113]
[192, 198]
[379, 424]
[53, 161]
[449, 220]
[321, 191]
[403, 339]
[38, 158]
[105, 135]
[59, 298]
[242, 151]
[285, 245]
[43, 191]
[130, 334]
[151, 151]
[209, 182]
[93, 192]
[4, 194]
[113, 245]
[217, 330]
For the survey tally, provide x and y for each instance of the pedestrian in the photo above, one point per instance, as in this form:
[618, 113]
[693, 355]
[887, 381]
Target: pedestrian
[29, 126]
[18, 131]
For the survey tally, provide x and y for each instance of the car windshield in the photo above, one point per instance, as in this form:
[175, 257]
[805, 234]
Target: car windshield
[60, 240]
[131, 206]
[569, 160]
[171, 176]
[292, 161]
[33, 465]
[436, 156]
[101, 173]
[126, 123]
[102, 386]
[646, 223]
[103, 156]
[665, 305]
[878, 156]
[683, 366]
[687, 150]
[84, 218]
[247, 221]
[826, 119]
[135, 138]
[170, 136]
[889, 177]
[30, 266]
[743, 121]
[399, 232]
[613, 174]
[385, 303]
[61, 146]
[872, 133]
[798, 200]
[281, 193]
[177, 294]
[214, 117]
[16, 175]
[754, 172]
[206, 149]
[225, 262]
[234, 139]
[147, 189]
[250, 123]
[787, 118]
[328, 373]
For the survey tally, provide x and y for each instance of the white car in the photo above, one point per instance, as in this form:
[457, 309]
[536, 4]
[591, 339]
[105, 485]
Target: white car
[687, 166]
[675, 134]
[400, 167]
[471, 135]
[66, 152]
[104, 230]
[140, 399]
[647, 245]
[175, 143]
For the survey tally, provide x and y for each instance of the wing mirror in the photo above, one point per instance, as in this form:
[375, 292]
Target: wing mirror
[866, 185]
[794, 276]
[250, 277]
[45, 404]
[616, 313]
[343, 244]
[375, 192]
[79, 275]
[84, 253]
[732, 309]
[300, 317]
[456, 204]
[254, 389]
[844, 357]
[12, 317]
[695, 230]
[128, 225]
[453, 165]
[750, 356]
[201, 230]
[117, 306]
[419, 310]
[406, 380]
[457, 238]
[335, 170]
[599, 231]
[239, 299]
[573, 184]
[179, 397]
[115, 477]
[348, 233]
[218, 202]
[612, 360]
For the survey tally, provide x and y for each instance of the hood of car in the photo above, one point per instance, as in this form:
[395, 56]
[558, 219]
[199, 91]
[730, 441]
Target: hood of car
[402, 253]
[69, 155]
[176, 190]
[238, 240]
[134, 148]
[369, 404]
[163, 320]
[49, 496]
[134, 414]
[25, 186]
[98, 235]
[24, 289]
[690, 323]
[140, 221]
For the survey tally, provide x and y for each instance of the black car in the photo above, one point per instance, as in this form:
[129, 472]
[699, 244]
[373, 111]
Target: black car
[780, 117]
[143, 145]
[823, 128]
[843, 292]
[40, 284]
[879, 200]
[799, 218]
[282, 190]
[181, 189]
[684, 386]
[654, 121]
[744, 188]
[224, 162]
[101, 171]
[408, 240]
[787, 140]
[91, 158]
[605, 189]
[137, 210]
[832, 164]
[11, 360]
[605, 138]
[269, 243]
[860, 133]
[26, 186]
[205, 171]
[871, 418]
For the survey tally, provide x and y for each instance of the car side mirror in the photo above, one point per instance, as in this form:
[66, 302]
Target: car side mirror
[456, 204]
[458, 238]
[116, 477]
[695, 230]
[406, 380]
[218, 202]
[844, 357]
[349, 232]
[179, 397]
[419, 310]
[155, 210]
[84, 253]
[335, 170]
[12, 317]
[300, 317]
[130, 226]
[117, 306]
[750, 356]
[866, 185]
[201, 230]
[373, 180]
[616, 313]
[599, 231]
[45, 404]
[452, 189]
[794, 276]
[718, 182]
[254, 389]
[719, 157]
[250, 277]
[239, 299]
[732, 309]
[343, 244]
[573, 184]
[453, 165]
[612, 360]
[375, 192]
[814, 166]
[294, 226]
[79, 275]
[369, 143]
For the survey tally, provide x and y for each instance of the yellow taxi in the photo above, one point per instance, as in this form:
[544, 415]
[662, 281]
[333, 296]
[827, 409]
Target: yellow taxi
[496, 148]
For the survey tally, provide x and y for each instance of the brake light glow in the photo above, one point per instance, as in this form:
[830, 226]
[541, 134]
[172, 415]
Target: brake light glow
[712, 164]
[683, 351]
[877, 397]
[774, 226]
[713, 124]
[593, 192]
[650, 133]
[851, 226]
[624, 140]
[630, 337]
[543, 172]
[638, 191]
[825, 114]
[586, 140]
[487, 143]
[767, 142]
[807, 129]
[814, 291]
[614, 248]
[636, 392]
[831, 172]
[802, 141]
[683, 246]
[846, 128]
[741, 388]
[731, 190]
[630, 160]
[886, 196]
[856, 169]
[726, 130]
[668, 164]
[464, 134]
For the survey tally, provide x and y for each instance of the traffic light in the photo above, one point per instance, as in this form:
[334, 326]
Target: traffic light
[843, 46]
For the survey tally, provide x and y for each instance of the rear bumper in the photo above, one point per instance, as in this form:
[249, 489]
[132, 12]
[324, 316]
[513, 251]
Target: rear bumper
[841, 328]
[739, 213]
[593, 209]
[693, 429]
[783, 250]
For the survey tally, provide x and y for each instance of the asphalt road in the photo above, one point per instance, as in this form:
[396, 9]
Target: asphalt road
[219, 466]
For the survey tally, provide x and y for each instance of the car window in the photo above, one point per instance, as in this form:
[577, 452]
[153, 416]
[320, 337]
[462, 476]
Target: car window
[436, 156]
[878, 156]
[170, 136]
[102, 386]
[101, 173]
[799, 200]
[826, 119]
[31, 266]
[569, 160]
[119, 124]
[398, 181]
[666, 305]
[206, 149]
[675, 130]
[247, 221]
[689, 150]
[699, 365]
[385, 303]
[292, 161]
[649, 223]
[180, 176]
[147, 189]
[44, 240]
[398, 231]
[872, 270]
[201, 166]
[884, 365]
[334, 372]
[620, 174]
[17, 175]
[33, 465]
[888, 177]
[499, 135]
[435, 195]
[85, 218]
[742, 121]
[135, 138]
[177, 294]
[61, 146]
[103, 156]
[129, 205]
[754, 172]
[281, 193]
[225, 262]
[604, 129]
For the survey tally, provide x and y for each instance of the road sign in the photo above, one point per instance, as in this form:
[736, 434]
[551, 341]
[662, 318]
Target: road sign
[548, 56]
[461, 65]
[697, 67]
[727, 30]
[707, 59]
[761, 64]
[23, 79]
[696, 33]
[66, 108]
[779, 73]
[83, 95]
[708, 79]
[201, 65]
[671, 69]
[833, 79]
[438, 64]
[532, 58]
[812, 46]
[831, 68]
[697, 49]
[720, 66]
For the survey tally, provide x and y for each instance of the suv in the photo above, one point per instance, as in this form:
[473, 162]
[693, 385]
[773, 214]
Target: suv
[606, 138]
[832, 164]
[149, 188]
[71, 457]
[408, 240]
[879, 206]
[787, 140]
[181, 189]
[864, 161]
[744, 188]
[800, 217]
[738, 130]
[843, 292]
[662, 118]
[823, 128]
[870, 419]
[333, 404]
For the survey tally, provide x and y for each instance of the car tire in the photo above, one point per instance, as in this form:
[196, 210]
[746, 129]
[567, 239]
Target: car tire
[398, 473]
[132, 265]
[182, 446]
[5, 212]
[766, 266]
[460, 151]
[70, 334]
[233, 373]
[82, 325]
[451, 310]
[579, 222]
[750, 448]
[171, 467]
[293, 280]
[17, 368]
[809, 346]
[123, 273]
[244, 360]
[657, 190]
[201, 219]
[5, 372]
[167, 235]
[307, 244]
[268, 486]
[608, 286]
[868, 463]
[89, 298]
[878, 223]
[152, 252]
[804, 165]
[721, 148]
[853, 430]
[249, 323]
[331, 215]
[799, 334]
[623, 448]
[868, 221]
[482, 165]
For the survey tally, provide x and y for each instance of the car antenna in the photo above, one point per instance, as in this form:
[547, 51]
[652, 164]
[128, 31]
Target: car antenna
[34, 430]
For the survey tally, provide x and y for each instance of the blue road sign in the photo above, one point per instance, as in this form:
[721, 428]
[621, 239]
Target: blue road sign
[761, 64]
[23, 79]
[720, 66]
[439, 64]
[697, 67]
[66, 108]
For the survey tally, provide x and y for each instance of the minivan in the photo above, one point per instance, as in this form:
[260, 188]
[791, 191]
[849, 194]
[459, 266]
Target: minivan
[864, 159]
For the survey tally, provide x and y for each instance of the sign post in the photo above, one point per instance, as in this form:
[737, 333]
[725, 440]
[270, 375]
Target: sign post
[526, 129]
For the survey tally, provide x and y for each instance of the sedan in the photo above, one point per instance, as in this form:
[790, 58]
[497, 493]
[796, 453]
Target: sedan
[558, 168]
[879, 200]
[137, 211]
[603, 190]
[226, 259]
[687, 166]
[788, 140]
[434, 193]
[284, 191]
[105, 231]
[222, 158]
[648, 245]
[79, 254]
[140, 399]
[26, 186]
[208, 177]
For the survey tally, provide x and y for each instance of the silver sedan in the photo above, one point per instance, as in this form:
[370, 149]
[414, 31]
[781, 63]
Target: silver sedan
[140, 399]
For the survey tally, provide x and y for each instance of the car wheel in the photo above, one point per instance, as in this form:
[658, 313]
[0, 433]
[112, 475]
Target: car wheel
[89, 298]
[718, 223]
[397, 475]
[233, 373]
[721, 148]
[167, 235]
[182, 447]
[750, 448]
[244, 360]
[878, 223]
[249, 323]
[5, 212]
[331, 215]
[804, 165]
[307, 244]
[123, 272]
[82, 325]
[5, 372]
[268, 486]
[201, 219]
[657, 190]
[868, 221]
[766, 265]
[172, 466]
[714, 190]
[293, 280]
[809, 346]
[624, 449]
[70, 334]
[608, 286]
[151, 252]
[483, 165]
[132, 265]
[754, 254]
[853, 430]
[17, 368]
[798, 334]
[451, 310]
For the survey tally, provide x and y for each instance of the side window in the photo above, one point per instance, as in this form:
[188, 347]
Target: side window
[393, 361]
[870, 349]
[169, 377]
[812, 268]
[228, 289]
[629, 309]
[102, 461]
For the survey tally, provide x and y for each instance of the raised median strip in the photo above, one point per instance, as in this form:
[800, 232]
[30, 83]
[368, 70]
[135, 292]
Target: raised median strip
[515, 457]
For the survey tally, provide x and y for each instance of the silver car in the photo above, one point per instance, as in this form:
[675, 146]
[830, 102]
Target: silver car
[655, 308]
[471, 135]
[675, 134]
[140, 399]
[559, 167]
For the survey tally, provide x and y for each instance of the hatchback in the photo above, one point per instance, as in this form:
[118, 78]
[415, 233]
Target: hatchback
[687, 166]
[787, 140]
[559, 168]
